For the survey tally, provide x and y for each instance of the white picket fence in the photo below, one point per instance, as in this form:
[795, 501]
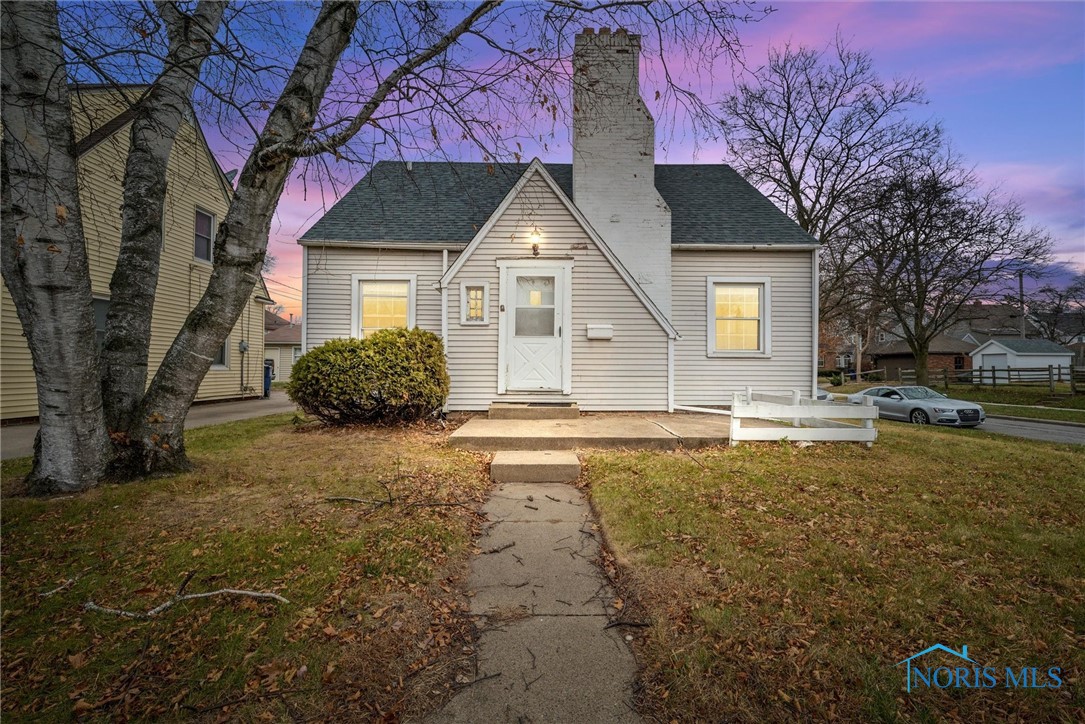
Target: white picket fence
[810, 419]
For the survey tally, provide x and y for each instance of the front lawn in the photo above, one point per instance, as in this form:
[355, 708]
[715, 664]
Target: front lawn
[784, 584]
[373, 614]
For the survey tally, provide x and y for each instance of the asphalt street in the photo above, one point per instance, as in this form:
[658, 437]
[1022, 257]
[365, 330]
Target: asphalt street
[1037, 430]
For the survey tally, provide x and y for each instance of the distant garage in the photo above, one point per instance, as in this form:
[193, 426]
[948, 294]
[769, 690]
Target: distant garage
[1022, 354]
[282, 347]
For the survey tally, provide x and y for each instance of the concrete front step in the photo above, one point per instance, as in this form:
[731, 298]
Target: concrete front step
[535, 466]
[534, 411]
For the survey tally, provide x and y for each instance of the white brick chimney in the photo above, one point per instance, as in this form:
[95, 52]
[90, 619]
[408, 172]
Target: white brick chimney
[614, 159]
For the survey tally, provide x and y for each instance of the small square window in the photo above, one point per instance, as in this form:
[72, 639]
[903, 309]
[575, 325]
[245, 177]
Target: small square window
[475, 303]
[205, 236]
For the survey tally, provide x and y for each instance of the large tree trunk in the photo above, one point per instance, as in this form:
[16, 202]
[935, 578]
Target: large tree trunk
[135, 279]
[156, 438]
[43, 257]
[922, 349]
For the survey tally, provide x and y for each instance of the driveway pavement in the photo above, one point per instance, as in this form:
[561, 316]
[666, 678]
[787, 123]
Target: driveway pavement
[1036, 430]
[17, 441]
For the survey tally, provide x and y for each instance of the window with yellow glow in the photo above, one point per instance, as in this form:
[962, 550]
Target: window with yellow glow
[384, 304]
[476, 305]
[738, 317]
[474, 302]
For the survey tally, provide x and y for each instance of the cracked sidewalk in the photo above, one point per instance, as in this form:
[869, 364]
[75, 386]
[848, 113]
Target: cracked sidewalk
[542, 603]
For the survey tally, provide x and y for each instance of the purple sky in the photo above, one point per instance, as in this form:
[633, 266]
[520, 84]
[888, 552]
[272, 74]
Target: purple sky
[1006, 79]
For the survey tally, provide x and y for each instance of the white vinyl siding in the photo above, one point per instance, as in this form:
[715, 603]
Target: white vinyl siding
[704, 379]
[628, 372]
[332, 271]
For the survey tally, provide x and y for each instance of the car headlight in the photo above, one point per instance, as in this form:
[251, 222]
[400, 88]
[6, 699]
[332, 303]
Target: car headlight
[944, 410]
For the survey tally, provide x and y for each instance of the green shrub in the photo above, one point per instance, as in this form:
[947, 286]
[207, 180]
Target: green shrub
[394, 375]
[836, 380]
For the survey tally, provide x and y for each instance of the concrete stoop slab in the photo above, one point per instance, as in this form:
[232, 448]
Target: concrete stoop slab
[549, 669]
[535, 466]
[655, 431]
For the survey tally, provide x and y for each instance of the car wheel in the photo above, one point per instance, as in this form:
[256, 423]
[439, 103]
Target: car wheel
[920, 418]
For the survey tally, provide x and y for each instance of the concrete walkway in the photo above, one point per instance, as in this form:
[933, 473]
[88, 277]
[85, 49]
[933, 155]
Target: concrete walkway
[17, 441]
[542, 604]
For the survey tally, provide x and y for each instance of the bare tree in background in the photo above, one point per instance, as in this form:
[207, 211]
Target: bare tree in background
[1058, 311]
[935, 241]
[816, 131]
[369, 80]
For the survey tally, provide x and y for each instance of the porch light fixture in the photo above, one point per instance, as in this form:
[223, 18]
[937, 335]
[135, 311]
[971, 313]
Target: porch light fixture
[536, 238]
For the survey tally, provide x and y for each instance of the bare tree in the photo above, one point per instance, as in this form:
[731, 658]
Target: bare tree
[1058, 311]
[934, 241]
[374, 78]
[43, 255]
[816, 130]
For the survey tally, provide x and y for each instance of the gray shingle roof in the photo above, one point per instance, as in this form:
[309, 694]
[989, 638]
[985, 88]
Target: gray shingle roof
[449, 202]
[1032, 346]
[940, 344]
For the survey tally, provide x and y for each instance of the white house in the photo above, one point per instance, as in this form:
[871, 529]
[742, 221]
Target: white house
[1000, 354]
[612, 282]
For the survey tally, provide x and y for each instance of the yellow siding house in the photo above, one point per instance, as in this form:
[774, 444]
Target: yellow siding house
[196, 201]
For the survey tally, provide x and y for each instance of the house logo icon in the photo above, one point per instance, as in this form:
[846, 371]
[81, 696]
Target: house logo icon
[962, 654]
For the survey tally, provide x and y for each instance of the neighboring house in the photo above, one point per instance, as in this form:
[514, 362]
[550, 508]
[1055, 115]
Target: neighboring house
[282, 347]
[978, 322]
[198, 197]
[945, 353]
[274, 321]
[1021, 353]
[612, 282]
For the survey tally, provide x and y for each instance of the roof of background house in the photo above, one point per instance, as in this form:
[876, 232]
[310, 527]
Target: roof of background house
[274, 321]
[1031, 346]
[450, 202]
[290, 334]
[941, 344]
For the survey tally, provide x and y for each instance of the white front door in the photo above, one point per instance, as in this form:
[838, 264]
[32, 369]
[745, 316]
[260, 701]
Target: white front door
[534, 309]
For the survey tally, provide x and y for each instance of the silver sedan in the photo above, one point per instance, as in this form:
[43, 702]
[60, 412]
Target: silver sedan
[921, 405]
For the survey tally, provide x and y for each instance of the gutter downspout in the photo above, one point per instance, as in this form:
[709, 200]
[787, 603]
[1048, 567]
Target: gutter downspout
[304, 298]
[815, 310]
[670, 374]
[444, 312]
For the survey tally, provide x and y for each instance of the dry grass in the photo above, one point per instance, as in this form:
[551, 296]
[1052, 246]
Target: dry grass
[374, 616]
[784, 584]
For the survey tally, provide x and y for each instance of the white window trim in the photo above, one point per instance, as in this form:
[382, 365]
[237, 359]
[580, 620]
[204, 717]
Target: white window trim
[356, 297]
[214, 228]
[225, 356]
[485, 307]
[764, 350]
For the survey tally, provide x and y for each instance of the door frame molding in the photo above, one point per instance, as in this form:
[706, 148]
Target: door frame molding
[564, 268]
